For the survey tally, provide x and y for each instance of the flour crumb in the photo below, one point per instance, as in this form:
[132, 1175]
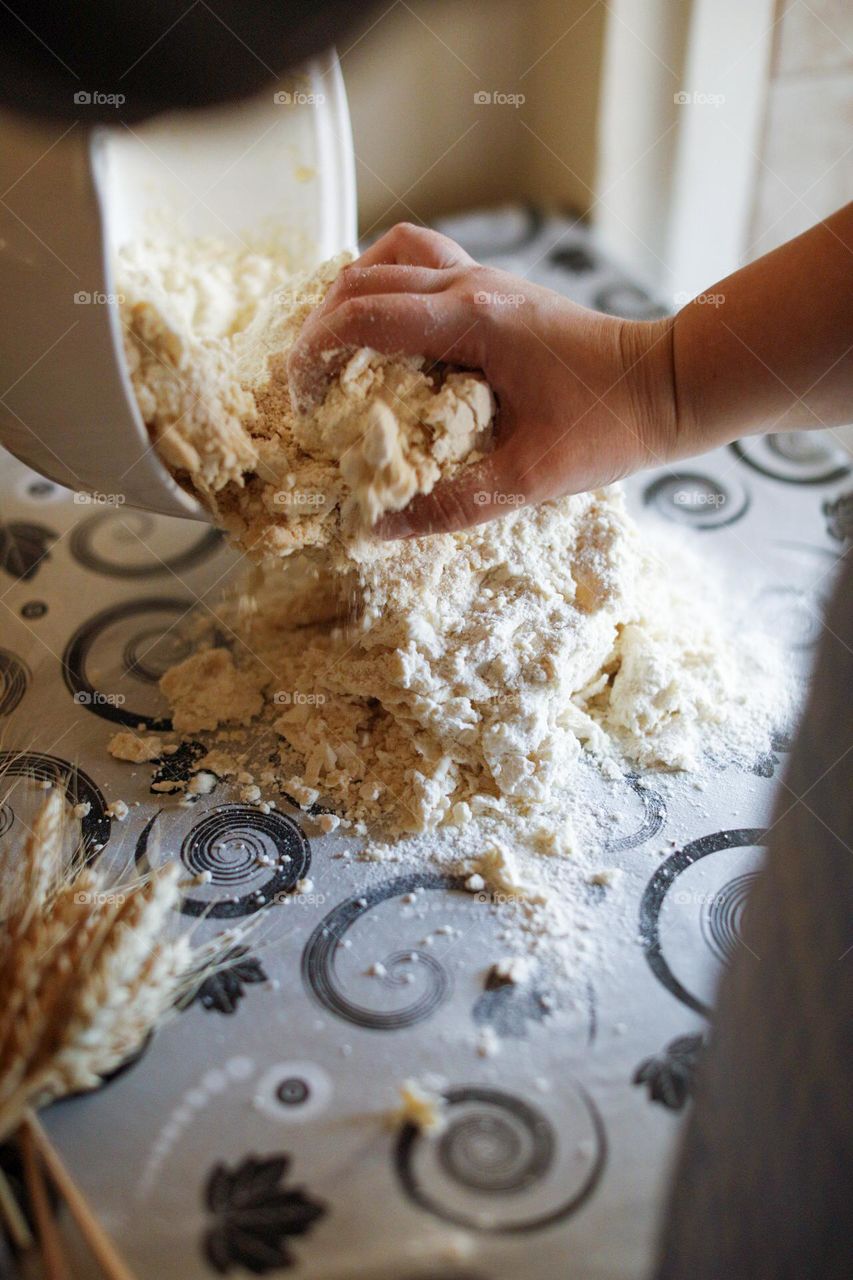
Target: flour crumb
[420, 1106]
[207, 689]
[132, 747]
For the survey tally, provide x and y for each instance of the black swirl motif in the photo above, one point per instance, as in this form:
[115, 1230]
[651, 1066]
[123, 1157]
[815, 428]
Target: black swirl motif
[654, 816]
[794, 457]
[93, 540]
[137, 655]
[293, 1092]
[24, 547]
[431, 983]
[670, 1076]
[495, 233]
[495, 1167]
[698, 500]
[249, 858]
[621, 299]
[41, 490]
[15, 677]
[255, 1215]
[575, 258]
[721, 913]
[33, 609]
[79, 789]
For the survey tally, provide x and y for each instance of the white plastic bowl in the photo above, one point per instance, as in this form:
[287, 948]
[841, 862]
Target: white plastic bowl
[281, 162]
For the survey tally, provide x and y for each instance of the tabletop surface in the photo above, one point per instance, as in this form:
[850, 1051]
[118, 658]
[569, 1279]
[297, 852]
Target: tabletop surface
[252, 1134]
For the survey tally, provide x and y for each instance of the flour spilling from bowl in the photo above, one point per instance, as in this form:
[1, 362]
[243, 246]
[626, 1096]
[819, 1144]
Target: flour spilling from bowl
[444, 697]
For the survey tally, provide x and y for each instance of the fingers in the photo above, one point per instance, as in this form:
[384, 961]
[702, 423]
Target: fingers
[481, 492]
[356, 281]
[410, 245]
[408, 262]
[437, 326]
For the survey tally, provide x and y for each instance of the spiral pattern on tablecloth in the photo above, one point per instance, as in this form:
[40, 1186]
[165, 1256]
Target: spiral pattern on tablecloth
[721, 921]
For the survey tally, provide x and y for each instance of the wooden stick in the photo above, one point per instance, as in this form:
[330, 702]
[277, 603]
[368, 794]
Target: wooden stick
[50, 1244]
[12, 1215]
[102, 1247]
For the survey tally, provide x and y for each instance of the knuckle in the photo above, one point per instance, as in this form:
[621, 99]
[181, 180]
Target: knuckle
[352, 314]
[348, 278]
[409, 231]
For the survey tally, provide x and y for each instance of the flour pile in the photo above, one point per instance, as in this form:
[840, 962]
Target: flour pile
[434, 682]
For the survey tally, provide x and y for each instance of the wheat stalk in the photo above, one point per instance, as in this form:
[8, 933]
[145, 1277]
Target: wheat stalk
[89, 971]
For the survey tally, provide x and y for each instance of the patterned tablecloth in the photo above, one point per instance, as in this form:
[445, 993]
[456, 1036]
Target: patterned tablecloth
[251, 1133]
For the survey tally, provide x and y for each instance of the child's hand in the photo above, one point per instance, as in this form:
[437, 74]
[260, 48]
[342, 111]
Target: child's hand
[583, 398]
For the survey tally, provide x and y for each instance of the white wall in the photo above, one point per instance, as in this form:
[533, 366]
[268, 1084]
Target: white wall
[425, 146]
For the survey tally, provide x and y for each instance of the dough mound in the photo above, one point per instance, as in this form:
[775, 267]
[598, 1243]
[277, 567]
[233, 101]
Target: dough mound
[424, 683]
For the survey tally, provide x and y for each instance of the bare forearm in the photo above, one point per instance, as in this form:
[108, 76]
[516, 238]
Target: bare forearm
[770, 348]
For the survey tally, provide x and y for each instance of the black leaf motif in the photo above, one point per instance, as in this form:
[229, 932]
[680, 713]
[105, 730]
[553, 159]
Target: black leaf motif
[255, 1215]
[508, 1009]
[670, 1076]
[23, 548]
[223, 990]
[839, 517]
[764, 765]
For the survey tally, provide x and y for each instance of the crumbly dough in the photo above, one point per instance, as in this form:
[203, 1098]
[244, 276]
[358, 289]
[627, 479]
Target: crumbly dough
[135, 747]
[420, 1106]
[210, 377]
[207, 689]
[435, 681]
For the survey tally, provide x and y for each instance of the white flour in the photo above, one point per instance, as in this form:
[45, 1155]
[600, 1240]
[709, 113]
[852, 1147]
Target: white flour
[463, 683]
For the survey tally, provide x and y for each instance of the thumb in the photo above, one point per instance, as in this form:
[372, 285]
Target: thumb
[480, 492]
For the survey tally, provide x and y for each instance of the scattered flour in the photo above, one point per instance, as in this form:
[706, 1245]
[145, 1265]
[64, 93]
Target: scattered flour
[464, 686]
